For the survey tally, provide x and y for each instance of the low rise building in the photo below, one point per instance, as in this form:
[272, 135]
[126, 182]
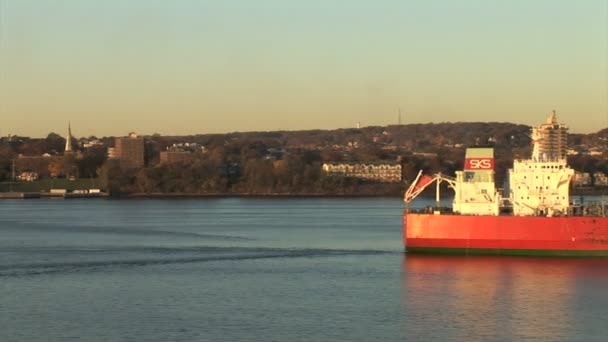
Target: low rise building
[581, 179]
[28, 176]
[174, 157]
[383, 172]
[600, 178]
[44, 166]
[425, 154]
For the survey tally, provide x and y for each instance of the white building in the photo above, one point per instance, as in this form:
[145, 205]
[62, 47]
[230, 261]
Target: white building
[385, 172]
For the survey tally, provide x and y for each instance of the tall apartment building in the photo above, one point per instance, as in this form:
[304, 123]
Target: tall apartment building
[550, 140]
[129, 151]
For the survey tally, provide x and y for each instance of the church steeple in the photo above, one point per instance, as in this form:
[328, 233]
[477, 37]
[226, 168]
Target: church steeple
[68, 139]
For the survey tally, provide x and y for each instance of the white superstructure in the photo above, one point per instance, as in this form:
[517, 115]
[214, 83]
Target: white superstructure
[541, 184]
[538, 186]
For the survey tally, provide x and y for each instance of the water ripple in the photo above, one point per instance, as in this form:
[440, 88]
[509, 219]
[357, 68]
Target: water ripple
[160, 257]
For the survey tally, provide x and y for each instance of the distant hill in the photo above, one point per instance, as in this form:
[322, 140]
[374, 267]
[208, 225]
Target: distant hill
[412, 136]
[289, 162]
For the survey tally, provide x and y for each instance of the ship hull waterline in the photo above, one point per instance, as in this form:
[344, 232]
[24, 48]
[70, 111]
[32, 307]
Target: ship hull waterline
[505, 235]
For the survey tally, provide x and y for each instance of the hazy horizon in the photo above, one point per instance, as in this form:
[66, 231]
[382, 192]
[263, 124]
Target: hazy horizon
[203, 67]
[75, 133]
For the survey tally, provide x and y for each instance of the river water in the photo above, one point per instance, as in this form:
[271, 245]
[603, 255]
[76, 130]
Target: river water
[271, 270]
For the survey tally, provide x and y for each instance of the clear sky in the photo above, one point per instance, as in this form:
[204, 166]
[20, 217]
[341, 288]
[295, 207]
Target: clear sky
[206, 66]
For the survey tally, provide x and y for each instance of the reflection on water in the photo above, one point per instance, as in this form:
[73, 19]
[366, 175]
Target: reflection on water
[489, 298]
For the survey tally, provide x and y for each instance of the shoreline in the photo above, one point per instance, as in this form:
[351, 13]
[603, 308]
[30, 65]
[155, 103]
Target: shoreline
[250, 195]
[36, 195]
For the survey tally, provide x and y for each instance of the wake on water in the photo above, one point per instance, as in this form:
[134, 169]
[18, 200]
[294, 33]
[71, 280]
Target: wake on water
[102, 259]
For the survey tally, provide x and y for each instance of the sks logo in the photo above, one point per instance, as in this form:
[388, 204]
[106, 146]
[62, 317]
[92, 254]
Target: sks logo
[479, 164]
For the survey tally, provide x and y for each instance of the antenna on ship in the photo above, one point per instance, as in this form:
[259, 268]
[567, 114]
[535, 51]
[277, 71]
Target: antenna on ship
[399, 118]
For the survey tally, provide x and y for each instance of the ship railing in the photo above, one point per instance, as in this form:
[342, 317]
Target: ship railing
[592, 208]
[542, 159]
[431, 210]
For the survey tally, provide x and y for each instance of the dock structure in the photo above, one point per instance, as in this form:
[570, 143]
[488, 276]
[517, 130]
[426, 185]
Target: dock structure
[19, 195]
[33, 195]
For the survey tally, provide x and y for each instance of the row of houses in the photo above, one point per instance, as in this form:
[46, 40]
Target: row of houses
[383, 172]
[593, 151]
[588, 179]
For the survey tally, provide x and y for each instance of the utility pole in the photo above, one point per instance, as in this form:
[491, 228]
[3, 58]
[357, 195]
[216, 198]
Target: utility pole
[399, 119]
[12, 177]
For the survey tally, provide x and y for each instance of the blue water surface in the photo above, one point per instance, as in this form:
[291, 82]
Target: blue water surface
[250, 269]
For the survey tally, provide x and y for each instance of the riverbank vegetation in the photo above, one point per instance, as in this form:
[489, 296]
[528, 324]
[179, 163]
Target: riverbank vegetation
[285, 162]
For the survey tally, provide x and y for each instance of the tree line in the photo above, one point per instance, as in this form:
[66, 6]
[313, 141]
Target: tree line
[241, 162]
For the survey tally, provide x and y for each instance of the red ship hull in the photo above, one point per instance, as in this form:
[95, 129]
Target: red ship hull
[506, 235]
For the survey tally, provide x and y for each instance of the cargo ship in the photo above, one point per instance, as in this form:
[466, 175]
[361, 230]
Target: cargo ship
[533, 214]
